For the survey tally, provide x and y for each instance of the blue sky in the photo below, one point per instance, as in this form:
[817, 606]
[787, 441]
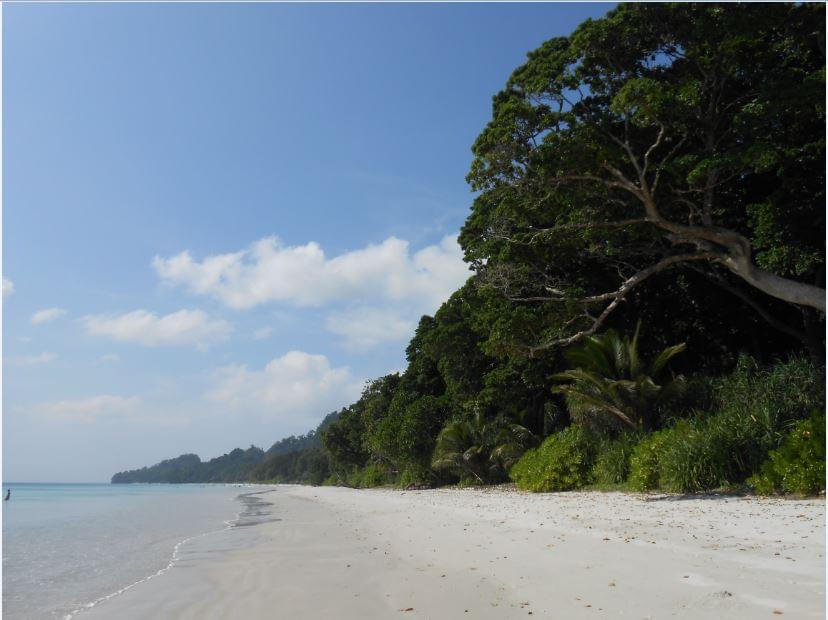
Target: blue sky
[219, 221]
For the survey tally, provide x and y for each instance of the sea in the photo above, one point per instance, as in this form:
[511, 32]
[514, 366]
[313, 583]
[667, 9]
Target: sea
[67, 547]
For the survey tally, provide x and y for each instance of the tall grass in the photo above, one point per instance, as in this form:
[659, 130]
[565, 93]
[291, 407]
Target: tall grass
[753, 410]
[612, 466]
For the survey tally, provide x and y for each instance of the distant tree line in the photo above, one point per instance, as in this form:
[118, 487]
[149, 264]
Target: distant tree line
[292, 459]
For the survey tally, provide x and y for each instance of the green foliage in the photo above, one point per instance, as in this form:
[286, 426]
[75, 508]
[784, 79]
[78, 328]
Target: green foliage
[753, 408]
[612, 385]
[562, 462]
[372, 475]
[406, 437]
[718, 114]
[477, 450]
[308, 466]
[612, 466]
[184, 468]
[707, 455]
[798, 465]
[234, 466]
[343, 440]
[645, 461]
[776, 395]
[416, 476]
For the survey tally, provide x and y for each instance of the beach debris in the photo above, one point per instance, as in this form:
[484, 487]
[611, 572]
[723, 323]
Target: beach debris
[777, 612]
[406, 609]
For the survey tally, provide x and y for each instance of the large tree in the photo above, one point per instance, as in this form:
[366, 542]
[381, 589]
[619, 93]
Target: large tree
[660, 139]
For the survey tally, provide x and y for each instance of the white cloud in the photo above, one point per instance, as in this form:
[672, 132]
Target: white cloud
[364, 328]
[296, 388]
[44, 316]
[262, 333]
[185, 327]
[269, 271]
[8, 286]
[90, 409]
[32, 360]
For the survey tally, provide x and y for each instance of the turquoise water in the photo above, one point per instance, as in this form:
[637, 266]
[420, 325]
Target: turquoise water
[68, 545]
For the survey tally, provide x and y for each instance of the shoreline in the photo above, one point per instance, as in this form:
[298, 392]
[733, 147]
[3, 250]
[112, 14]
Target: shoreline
[336, 552]
[236, 521]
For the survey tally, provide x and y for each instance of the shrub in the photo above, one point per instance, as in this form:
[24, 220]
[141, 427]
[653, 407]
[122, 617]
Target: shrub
[562, 462]
[798, 465]
[774, 396]
[372, 475]
[754, 408]
[415, 475]
[703, 455]
[644, 461]
[613, 463]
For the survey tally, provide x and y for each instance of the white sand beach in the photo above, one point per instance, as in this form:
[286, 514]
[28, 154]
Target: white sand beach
[496, 553]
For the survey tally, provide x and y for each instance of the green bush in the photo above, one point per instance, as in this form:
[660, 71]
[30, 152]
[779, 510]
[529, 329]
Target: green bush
[753, 409]
[416, 476]
[372, 475]
[774, 396]
[703, 455]
[644, 461]
[562, 462]
[613, 463]
[798, 465]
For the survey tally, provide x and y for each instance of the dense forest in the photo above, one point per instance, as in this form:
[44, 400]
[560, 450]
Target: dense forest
[647, 304]
[292, 459]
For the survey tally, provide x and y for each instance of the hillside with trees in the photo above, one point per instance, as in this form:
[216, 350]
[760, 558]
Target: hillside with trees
[647, 304]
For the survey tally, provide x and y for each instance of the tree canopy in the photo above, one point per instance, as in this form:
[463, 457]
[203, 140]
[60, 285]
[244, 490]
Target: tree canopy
[662, 137]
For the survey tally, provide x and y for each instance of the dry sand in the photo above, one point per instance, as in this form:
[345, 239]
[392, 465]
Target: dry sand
[449, 553]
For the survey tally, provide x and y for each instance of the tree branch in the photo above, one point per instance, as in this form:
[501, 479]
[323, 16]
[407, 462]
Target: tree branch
[617, 297]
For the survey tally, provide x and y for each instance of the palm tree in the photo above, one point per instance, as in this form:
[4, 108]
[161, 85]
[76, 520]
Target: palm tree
[474, 449]
[611, 379]
[511, 442]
